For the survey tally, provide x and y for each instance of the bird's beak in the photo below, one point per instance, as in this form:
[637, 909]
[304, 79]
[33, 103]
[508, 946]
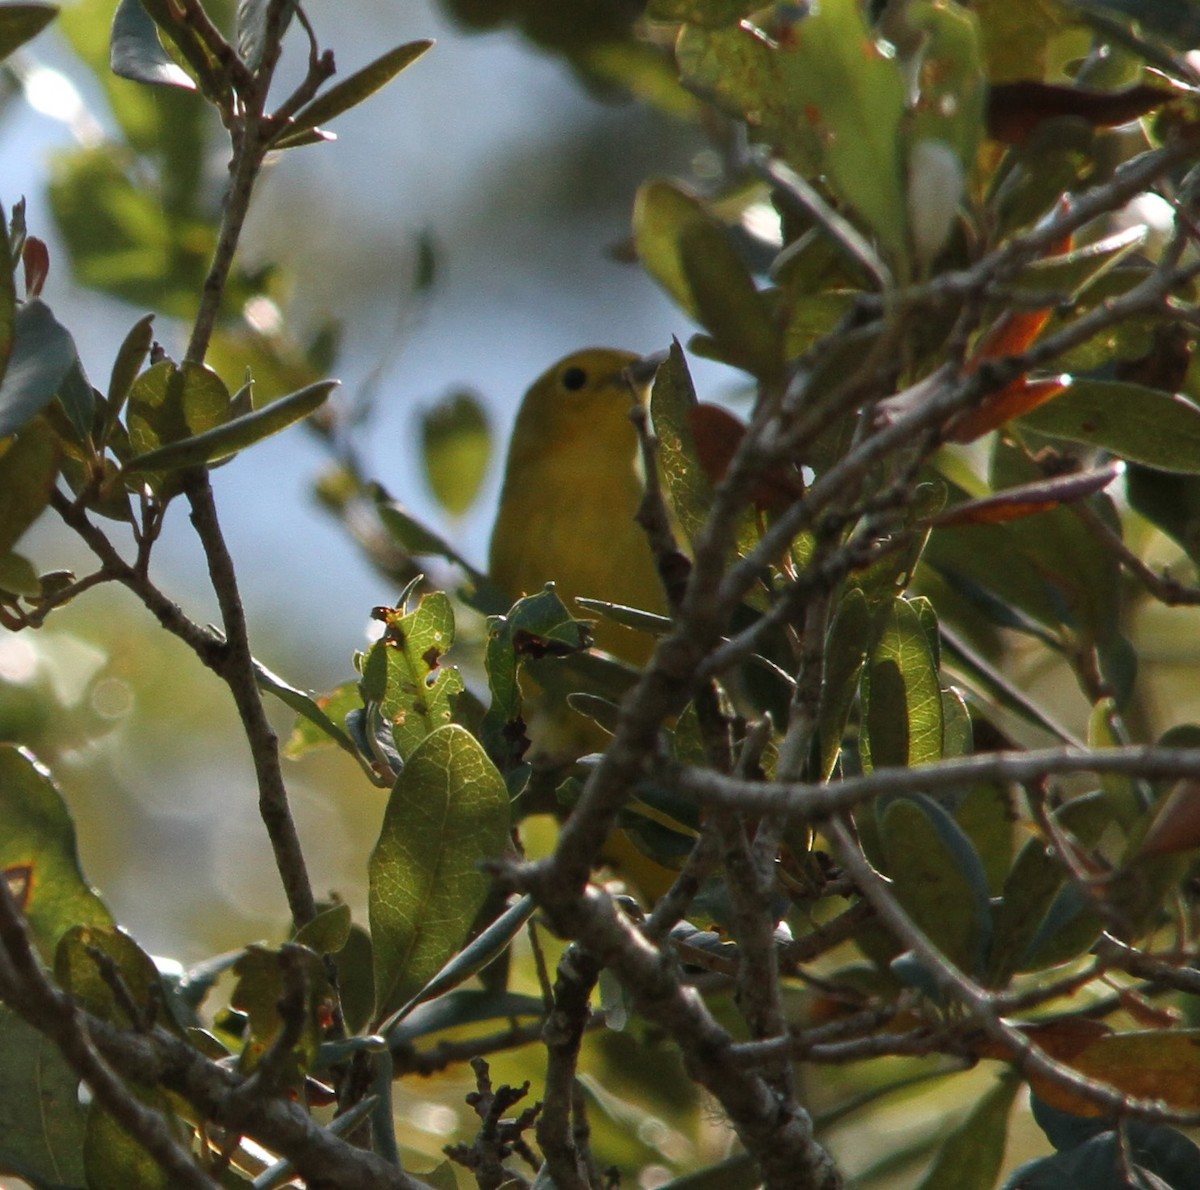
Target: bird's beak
[642, 371]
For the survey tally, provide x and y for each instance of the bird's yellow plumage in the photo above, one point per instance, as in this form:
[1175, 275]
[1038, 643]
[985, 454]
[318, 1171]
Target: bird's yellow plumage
[571, 490]
[572, 486]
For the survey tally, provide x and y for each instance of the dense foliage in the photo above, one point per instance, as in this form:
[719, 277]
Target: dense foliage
[952, 249]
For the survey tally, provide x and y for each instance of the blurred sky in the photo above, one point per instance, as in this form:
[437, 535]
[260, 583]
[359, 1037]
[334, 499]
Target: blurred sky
[524, 182]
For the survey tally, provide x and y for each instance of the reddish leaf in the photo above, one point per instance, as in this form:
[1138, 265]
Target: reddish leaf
[1176, 825]
[1010, 402]
[717, 435]
[1029, 498]
[1015, 109]
[36, 258]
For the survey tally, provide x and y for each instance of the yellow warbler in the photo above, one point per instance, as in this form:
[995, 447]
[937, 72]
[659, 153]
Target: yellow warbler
[571, 490]
[572, 485]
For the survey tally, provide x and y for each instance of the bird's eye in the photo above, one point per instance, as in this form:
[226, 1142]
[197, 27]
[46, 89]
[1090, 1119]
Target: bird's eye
[573, 379]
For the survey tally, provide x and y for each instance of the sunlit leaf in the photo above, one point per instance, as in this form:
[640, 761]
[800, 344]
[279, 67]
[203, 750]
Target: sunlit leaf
[39, 840]
[690, 253]
[811, 82]
[404, 676]
[902, 715]
[28, 470]
[352, 90]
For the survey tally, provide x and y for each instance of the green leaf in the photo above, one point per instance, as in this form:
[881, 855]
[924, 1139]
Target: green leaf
[130, 357]
[418, 539]
[265, 978]
[1176, 21]
[78, 960]
[813, 83]
[1143, 425]
[441, 1177]
[971, 1156]
[351, 91]
[1055, 573]
[138, 55]
[42, 1122]
[237, 434]
[328, 932]
[538, 625]
[28, 470]
[953, 88]
[172, 402]
[1171, 502]
[456, 448]
[709, 13]
[738, 1172]
[902, 699]
[115, 1160]
[319, 717]
[448, 812]
[690, 253]
[403, 673]
[356, 979]
[145, 245]
[1068, 276]
[17, 575]
[178, 28]
[845, 655]
[1033, 885]
[38, 855]
[79, 401]
[986, 816]
[938, 878]
[672, 399]
[1017, 35]
[481, 950]
[20, 23]
[42, 354]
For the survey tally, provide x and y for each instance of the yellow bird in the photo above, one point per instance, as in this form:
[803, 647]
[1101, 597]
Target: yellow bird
[572, 485]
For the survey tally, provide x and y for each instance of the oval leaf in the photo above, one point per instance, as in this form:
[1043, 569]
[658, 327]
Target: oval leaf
[351, 91]
[1141, 424]
[448, 812]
